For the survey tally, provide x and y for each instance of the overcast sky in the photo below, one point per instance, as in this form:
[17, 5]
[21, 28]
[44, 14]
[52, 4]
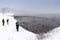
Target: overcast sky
[32, 6]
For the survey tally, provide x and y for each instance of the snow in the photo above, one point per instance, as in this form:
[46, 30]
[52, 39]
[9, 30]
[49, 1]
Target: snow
[52, 35]
[8, 32]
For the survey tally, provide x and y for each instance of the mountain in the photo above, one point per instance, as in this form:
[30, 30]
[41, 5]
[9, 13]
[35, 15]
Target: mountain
[7, 10]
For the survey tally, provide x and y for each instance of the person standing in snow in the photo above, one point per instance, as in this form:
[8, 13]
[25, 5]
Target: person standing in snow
[3, 22]
[7, 21]
[17, 26]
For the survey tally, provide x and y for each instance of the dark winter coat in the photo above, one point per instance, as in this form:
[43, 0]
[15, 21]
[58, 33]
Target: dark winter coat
[17, 25]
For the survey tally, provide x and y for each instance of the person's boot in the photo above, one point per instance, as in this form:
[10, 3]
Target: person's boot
[3, 24]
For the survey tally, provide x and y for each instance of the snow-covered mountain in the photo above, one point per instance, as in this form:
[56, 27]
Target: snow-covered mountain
[7, 10]
[8, 32]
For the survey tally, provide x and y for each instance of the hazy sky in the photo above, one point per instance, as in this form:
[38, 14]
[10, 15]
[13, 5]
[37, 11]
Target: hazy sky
[32, 6]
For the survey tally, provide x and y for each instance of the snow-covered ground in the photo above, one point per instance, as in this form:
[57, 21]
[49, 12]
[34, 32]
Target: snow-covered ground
[8, 32]
[52, 35]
